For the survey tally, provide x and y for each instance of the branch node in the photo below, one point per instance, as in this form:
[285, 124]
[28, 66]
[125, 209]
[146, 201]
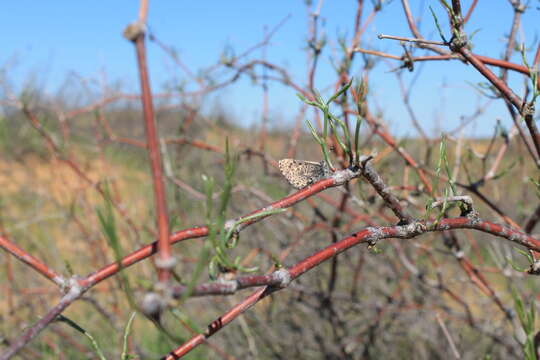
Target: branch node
[467, 200]
[342, 176]
[283, 277]
[62, 283]
[153, 305]
[167, 263]
[474, 217]
[230, 286]
[134, 30]
[416, 228]
[374, 235]
[364, 160]
[528, 110]
[229, 224]
[458, 42]
[73, 289]
[534, 269]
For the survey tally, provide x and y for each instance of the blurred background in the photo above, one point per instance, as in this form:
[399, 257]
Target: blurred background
[56, 46]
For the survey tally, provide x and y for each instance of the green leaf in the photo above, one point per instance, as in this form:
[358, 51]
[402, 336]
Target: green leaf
[340, 92]
[357, 140]
[127, 330]
[303, 99]
[437, 24]
[74, 325]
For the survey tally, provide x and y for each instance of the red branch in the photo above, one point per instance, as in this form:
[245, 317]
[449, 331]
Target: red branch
[368, 235]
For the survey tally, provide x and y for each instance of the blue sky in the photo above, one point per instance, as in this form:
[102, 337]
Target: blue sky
[46, 41]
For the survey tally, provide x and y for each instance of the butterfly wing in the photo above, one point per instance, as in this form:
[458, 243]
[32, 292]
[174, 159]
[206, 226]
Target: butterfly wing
[300, 173]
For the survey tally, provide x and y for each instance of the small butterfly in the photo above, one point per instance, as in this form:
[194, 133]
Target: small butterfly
[301, 173]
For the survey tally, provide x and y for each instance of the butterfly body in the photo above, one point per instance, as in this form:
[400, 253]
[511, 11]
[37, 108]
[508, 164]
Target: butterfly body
[301, 173]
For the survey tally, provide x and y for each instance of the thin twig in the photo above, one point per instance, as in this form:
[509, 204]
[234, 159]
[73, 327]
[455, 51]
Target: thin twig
[413, 40]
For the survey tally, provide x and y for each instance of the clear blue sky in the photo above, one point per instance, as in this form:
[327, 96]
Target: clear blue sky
[48, 40]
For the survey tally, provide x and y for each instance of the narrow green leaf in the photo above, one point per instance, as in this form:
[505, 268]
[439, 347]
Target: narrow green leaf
[127, 330]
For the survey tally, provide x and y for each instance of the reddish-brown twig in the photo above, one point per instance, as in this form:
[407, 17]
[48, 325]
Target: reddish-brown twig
[165, 260]
[33, 262]
[369, 235]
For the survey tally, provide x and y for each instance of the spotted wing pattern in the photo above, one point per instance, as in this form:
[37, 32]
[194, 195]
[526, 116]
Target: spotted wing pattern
[300, 173]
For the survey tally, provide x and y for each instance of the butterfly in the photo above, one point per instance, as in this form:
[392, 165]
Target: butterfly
[301, 173]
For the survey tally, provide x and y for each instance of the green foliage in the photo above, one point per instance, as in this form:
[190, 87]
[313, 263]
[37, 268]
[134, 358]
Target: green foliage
[361, 93]
[533, 75]
[529, 257]
[204, 254]
[443, 161]
[222, 236]
[537, 186]
[335, 126]
[527, 321]
[442, 164]
[125, 355]
[74, 325]
[436, 20]
[455, 19]
[108, 224]
[216, 222]
[374, 249]
[109, 229]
